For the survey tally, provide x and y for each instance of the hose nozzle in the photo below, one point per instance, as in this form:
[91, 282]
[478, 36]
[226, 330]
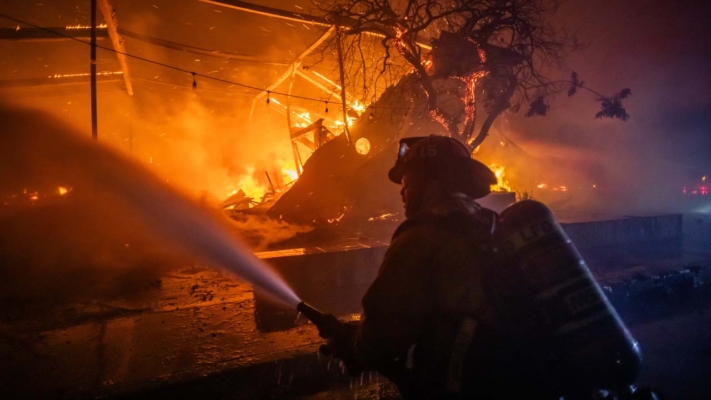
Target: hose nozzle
[328, 325]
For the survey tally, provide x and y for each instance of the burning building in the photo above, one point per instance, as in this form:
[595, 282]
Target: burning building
[261, 113]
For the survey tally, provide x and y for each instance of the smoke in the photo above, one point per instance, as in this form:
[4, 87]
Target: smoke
[87, 243]
[200, 146]
[80, 221]
[573, 162]
[200, 140]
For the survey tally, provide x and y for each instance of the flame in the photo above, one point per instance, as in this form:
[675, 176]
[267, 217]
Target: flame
[358, 107]
[249, 185]
[382, 217]
[257, 189]
[502, 184]
[559, 188]
[306, 117]
[290, 173]
[62, 190]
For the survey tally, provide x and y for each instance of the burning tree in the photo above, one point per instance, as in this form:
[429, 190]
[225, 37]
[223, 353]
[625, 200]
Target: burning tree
[421, 63]
[497, 52]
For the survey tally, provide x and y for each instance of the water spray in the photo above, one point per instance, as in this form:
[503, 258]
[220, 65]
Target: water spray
[168, 214]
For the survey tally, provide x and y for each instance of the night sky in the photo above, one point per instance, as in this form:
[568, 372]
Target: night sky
[659, 49]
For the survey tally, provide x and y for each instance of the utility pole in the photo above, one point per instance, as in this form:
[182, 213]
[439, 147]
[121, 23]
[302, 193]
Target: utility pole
[94, 128]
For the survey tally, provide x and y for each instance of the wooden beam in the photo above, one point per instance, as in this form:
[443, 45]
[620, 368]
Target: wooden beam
[195, 50]
[303, 131]
[290, 16]
[269, 11]
[294, 66]
[112, 27]
[318, 84]
[288, 117]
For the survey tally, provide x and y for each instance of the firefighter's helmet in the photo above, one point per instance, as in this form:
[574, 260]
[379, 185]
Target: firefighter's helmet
[443, 154]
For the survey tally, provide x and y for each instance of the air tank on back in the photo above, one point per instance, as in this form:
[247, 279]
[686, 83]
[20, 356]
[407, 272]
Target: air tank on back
[587, 345]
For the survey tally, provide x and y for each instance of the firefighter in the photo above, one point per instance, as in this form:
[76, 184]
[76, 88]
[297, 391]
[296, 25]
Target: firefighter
[428, 304]
[469, 304]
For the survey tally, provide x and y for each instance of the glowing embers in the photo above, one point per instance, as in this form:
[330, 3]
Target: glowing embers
[78, 27]
[399, 42]
[384, 217]
[32, 196]
[103, 73]
[337, 219]
[559, 188]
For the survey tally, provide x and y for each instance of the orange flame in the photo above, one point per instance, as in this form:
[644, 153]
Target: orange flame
[502, 184]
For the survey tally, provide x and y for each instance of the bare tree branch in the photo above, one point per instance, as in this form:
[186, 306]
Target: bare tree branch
[507, 46]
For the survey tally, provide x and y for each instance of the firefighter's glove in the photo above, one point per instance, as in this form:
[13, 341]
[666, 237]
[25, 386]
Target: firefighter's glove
[340, 345]
[328, 326]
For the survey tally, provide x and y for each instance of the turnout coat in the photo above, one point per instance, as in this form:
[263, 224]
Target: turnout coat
[428, 302]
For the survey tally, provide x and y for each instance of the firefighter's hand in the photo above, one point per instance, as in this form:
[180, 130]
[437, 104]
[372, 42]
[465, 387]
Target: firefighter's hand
[341, 346]
[329, 327]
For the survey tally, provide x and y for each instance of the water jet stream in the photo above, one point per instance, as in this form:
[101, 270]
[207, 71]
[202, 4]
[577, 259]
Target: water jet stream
[34, 137]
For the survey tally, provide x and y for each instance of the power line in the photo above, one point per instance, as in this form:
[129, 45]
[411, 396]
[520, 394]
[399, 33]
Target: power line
[193, 74]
